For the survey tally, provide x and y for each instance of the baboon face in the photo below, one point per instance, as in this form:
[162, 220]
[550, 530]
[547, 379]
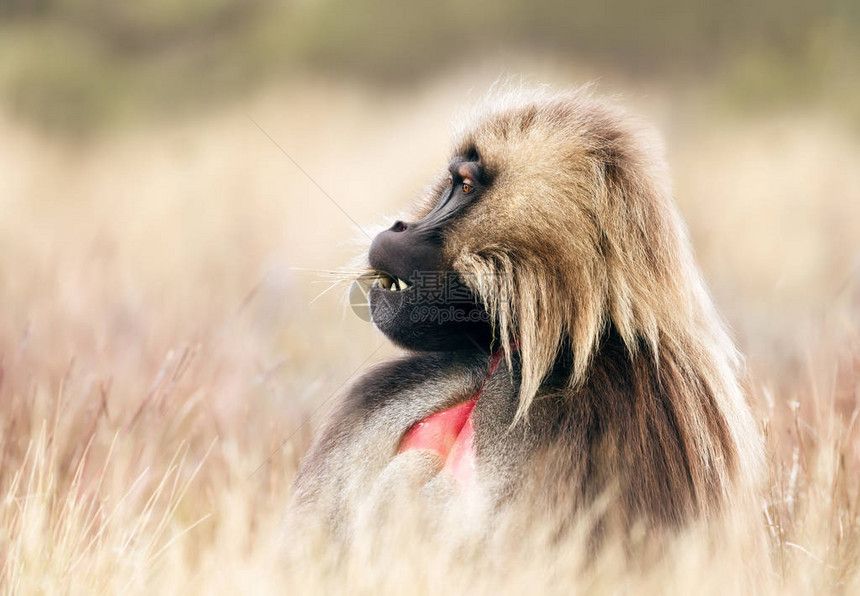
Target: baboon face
[416, 297]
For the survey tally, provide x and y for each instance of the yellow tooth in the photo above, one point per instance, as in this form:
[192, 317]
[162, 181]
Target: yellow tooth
[402, 284]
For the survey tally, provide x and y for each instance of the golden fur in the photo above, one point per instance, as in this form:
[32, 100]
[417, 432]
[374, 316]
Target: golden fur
[578, 233]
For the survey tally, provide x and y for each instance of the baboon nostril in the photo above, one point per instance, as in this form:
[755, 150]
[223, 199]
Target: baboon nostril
[398, 226]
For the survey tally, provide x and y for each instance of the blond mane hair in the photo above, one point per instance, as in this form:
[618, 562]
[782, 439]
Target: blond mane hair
[578, 232]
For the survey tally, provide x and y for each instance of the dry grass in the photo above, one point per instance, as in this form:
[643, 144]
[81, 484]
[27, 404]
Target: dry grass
[159, 341]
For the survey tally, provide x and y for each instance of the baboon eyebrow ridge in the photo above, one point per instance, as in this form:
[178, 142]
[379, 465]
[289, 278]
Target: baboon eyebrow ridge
[461, 168]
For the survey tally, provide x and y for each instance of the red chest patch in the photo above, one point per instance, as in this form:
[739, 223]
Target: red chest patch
[450, 434]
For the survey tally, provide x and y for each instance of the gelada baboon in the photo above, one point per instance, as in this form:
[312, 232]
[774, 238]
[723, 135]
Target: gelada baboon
[560, 343]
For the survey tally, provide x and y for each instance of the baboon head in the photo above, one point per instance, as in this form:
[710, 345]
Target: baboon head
[552, 221]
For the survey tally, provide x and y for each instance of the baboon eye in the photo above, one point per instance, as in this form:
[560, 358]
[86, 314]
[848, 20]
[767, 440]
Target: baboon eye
[450, 181]
[467, 188]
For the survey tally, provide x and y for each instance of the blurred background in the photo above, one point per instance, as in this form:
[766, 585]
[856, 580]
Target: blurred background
[187, 148]
[178, 180]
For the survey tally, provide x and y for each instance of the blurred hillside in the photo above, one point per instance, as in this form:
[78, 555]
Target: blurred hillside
[81, 65]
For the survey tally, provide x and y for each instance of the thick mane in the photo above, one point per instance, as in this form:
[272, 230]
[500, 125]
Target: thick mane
[578, 235]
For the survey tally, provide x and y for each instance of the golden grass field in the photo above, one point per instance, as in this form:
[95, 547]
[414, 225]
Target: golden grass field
[164, 360]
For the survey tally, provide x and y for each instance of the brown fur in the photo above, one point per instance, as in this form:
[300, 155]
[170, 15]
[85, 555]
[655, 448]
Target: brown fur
[578, 232]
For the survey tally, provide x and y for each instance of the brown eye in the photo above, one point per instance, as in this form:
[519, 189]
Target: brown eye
[450, 182]
[467, 188]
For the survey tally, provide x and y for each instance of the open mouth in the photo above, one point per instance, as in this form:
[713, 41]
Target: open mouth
[384, 281]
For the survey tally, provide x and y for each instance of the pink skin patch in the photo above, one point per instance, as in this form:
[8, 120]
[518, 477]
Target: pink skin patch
[449, 434]
[461, 459]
